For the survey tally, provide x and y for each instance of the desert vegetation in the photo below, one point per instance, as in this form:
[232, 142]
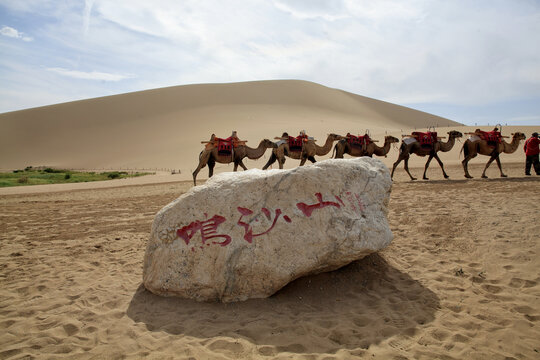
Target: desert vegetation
[48, 175]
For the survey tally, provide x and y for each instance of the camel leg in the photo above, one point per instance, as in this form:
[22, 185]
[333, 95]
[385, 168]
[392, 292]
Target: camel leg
[465, 163]
[211, 165]
[500, 167]
[201, 165]
[203, 160]
[339, 152]
[441, 165]
[426, 167]
[272, 160]
[395, 165]
[312, 159]
[241, 163]
[303, 161]
[235, 166]
[406, 161]
[195, 174]
[465, 167]
[493, 157]
[281, 161]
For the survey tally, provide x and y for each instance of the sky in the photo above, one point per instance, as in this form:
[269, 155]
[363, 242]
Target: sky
[475, 62]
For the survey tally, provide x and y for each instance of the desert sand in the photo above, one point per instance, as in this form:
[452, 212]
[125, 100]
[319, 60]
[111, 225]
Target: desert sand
[459, 281]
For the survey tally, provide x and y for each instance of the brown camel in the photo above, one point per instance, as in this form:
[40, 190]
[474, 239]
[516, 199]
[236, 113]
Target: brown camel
[211, 156]
[308, 152]
[472, 148]
[414, 147]
[344, 147]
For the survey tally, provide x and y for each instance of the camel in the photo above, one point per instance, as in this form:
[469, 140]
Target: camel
[414, 147]
[211, 156]
[344, 147]
[472, 148]
[309, 151]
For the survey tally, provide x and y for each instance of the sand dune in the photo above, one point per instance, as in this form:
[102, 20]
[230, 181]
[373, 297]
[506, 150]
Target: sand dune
[163, 128]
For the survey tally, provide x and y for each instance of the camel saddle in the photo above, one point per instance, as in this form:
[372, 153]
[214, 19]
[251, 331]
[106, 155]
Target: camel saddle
[358, 141]
[296, 143]
[426, 139]
[224, 146]
[492, 137]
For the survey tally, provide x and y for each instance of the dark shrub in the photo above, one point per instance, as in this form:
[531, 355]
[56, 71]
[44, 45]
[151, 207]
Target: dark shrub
[53, 171]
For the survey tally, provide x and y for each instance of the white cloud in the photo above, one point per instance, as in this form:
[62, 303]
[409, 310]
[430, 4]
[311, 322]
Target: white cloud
[314, 9]
[93, 75]
[13, 33]
[86, 15]
[414, 51]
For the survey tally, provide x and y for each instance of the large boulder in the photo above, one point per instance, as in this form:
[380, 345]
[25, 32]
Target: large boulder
[247, 234]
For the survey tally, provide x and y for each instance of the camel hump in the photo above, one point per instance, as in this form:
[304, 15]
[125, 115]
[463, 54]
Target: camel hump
[409, 140]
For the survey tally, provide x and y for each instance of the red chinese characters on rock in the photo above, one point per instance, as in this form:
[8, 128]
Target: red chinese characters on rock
[248, 235]
[355, 202]
[308, 209]
[208, 228]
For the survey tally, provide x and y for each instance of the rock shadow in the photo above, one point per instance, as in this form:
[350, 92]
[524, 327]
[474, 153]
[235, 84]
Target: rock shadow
[354, 307]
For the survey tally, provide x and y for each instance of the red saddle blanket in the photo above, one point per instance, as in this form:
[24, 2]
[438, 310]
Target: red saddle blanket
[358, 141]
[224, 146]
[295, 143]
[490, 136]
[425, 138]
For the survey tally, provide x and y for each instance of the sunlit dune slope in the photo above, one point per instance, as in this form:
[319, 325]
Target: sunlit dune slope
[163, 128]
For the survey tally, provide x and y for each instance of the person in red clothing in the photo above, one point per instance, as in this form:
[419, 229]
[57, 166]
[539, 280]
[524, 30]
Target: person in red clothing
[531, 154]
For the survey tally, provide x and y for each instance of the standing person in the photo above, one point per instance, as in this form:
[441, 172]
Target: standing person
[532, 150]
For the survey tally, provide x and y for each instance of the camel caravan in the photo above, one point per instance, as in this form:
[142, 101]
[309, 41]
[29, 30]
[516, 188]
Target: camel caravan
[304, 148]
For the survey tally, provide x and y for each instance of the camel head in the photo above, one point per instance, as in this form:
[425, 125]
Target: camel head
[454, 134]
[268, 144]
[390, 139]
[335, 137]
[518, 136]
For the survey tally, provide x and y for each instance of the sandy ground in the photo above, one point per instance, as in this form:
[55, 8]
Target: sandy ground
[459, 281]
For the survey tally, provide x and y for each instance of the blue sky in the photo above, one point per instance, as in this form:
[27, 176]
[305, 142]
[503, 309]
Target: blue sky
[470, 61]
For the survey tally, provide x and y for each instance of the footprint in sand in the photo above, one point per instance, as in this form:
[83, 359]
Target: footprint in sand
[267, 351]
[71, 329]
[492, 288]
[225, 346]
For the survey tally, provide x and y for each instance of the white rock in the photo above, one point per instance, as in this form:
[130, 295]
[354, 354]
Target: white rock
[247, 234]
